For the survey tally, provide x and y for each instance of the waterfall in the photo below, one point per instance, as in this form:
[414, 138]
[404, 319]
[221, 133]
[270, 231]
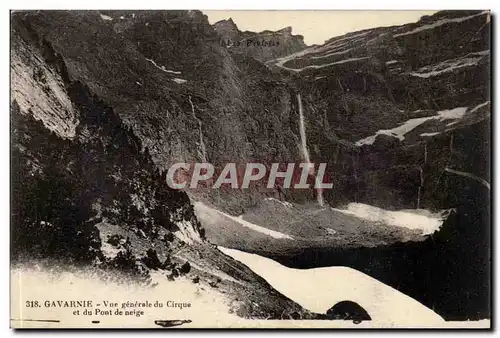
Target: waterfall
[305, 151]
[303, 138]
[420, 187]
[422, 177]
[203, 148]
[319, 197]
[355, 161]
[425, 153]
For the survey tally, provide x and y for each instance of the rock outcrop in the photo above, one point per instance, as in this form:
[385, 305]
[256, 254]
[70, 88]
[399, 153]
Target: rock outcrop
[262, 46]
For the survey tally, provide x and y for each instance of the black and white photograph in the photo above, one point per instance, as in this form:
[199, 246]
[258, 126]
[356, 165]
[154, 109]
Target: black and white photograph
[250, 169]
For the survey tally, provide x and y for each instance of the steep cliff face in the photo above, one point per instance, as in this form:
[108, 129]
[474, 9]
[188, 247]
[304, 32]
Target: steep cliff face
[85, 188]
[395, 90]
[90, 163]
[184, 95]
[390, 101]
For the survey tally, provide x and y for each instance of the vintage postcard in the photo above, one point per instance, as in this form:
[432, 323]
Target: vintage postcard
[250, 169]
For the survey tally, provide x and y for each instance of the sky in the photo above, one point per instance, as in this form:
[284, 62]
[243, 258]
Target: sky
[316, 26]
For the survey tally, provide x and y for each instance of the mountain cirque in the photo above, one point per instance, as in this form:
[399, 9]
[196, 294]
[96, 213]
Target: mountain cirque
[400, 114]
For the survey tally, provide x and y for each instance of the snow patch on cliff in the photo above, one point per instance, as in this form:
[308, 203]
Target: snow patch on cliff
[397, 132]
[440, 23]
[429, 134]
[204, 211]
[351, 37]
[479, 106]
[331, 54]
[187, 232]
[106, 17]
[400, 131]
[468, 60]
[413, 219]
[162, 68]
[451, 114]
[469, 175]
[327, 64]
[178, 80]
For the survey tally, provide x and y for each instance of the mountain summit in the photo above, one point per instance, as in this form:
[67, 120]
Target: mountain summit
[261, 46]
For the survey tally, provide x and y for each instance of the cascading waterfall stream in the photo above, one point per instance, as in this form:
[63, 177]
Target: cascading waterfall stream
[419, 194]
[303, 138]
[203, 148]
[305, 151]
[355, 161]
